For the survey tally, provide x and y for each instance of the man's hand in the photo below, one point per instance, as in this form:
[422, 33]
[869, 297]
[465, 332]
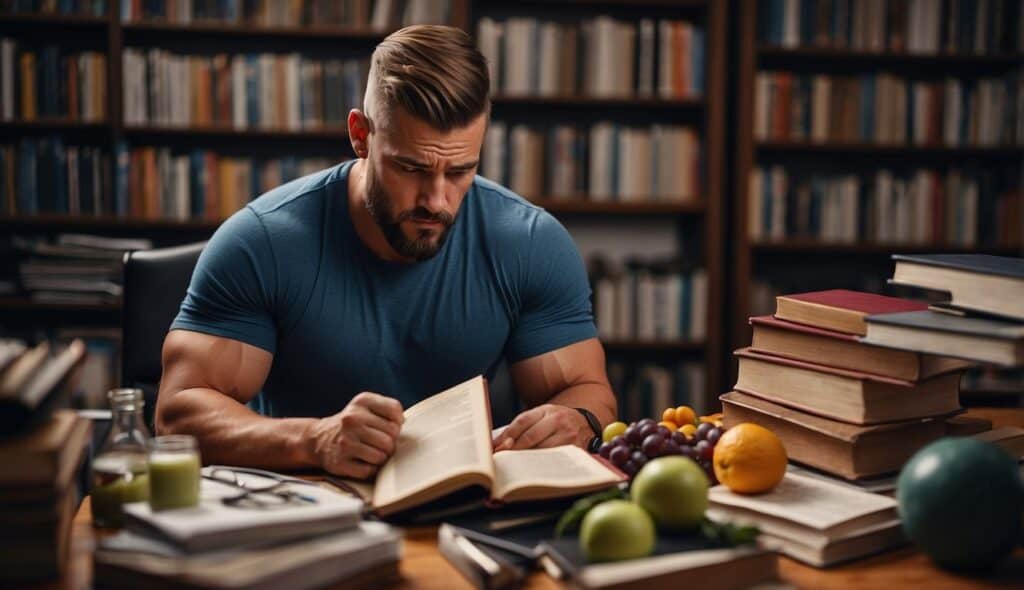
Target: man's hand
[356, 441]
[547, 425]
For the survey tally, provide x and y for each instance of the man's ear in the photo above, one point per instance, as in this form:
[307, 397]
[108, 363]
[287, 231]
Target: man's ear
[359, 132]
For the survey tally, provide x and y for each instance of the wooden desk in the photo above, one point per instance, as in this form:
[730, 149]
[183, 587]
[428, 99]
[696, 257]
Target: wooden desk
[424, 567]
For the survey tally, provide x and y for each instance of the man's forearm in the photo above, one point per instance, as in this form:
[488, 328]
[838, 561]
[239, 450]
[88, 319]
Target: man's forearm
[230, 433]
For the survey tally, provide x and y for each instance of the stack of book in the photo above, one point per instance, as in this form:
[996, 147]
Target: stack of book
[848, 408]
[955, 206]
[74, 268]
[600, 57]
[607, 162]
[813, 520]
[46, 82]
[41, 451]
[315, 538]
[982, 321]
[886, 109]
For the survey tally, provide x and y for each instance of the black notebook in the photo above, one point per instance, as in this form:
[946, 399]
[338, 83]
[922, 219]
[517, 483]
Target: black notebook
[686, 560]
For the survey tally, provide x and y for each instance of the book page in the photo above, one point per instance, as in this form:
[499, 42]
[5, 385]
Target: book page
[808, 501]
[566, 467]
[443, 436]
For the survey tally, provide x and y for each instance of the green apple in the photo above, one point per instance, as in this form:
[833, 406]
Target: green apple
[617, 529]
[674, 490]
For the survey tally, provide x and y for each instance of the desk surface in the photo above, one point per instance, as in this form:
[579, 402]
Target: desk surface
[424, 567]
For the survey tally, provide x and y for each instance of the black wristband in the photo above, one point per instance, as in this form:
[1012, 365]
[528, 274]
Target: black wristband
[595, 425]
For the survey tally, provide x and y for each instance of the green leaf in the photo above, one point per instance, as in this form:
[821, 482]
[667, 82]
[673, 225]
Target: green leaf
[572, 517]
[728, 533]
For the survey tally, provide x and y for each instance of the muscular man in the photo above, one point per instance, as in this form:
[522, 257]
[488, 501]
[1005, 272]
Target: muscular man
[328, 304]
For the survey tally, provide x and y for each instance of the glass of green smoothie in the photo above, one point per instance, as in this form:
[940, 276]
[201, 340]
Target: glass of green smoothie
[173, 472]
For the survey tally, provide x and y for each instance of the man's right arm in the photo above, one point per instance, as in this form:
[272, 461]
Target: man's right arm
[207, 380]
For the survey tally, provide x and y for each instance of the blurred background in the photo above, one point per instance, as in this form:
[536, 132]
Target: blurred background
[705, 155]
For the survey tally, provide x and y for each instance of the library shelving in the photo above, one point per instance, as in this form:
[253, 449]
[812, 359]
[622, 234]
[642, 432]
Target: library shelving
[113, 36]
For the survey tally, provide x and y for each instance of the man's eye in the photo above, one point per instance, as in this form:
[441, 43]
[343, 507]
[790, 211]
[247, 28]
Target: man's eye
[410, 169]
[457, 173]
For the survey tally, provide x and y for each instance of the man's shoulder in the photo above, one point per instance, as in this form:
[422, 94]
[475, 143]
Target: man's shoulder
[507, 214]
[304, 195]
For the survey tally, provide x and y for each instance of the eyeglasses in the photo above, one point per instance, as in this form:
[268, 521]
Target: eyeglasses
[267, 496]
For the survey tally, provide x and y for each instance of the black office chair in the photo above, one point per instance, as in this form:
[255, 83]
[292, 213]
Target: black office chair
[155, 282]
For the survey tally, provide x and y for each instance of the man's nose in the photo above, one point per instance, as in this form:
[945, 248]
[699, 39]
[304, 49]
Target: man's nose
[432, 192]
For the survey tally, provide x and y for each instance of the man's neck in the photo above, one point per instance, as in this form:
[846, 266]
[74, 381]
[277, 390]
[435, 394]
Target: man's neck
[365, 225]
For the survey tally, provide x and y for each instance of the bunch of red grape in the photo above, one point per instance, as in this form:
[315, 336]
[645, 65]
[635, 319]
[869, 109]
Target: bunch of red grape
[646, 440]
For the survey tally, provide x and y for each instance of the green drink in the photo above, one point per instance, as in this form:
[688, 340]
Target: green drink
[173, 472]
[117, 478]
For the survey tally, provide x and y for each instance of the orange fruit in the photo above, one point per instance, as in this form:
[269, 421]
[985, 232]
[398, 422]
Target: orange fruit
[684, 415]
[749, 459]
[688, 429]
[669, 415]
[711, 418]
[669, 424]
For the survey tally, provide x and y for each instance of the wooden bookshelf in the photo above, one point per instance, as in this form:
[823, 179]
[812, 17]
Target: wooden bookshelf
[643, 206]
[752, 258]
[26, 304]
[811, 246]
[631, 102]
[705, 113]
[840, 148]
[142, 30]
[56, 20]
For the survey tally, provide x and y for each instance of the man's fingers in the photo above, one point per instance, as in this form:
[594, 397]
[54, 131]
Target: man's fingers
[386, 407]
[388, 427]
[537, 432]
[369, 454]
[380, 440]
[518, 426]
[354, 468]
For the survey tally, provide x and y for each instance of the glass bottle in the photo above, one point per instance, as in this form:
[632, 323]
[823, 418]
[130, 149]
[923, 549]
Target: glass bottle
[119, 470]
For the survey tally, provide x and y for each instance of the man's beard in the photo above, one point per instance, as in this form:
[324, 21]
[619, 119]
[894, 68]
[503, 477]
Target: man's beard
[420, 248]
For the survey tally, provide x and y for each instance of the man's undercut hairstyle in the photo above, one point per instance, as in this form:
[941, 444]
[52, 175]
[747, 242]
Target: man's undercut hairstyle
[434, 72]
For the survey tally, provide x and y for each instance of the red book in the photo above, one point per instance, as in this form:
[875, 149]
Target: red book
[839, 309]
[844, 351]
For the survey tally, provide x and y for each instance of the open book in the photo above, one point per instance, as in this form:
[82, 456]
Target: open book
[445, 447]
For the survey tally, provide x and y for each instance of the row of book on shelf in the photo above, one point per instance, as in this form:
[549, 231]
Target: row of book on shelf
[42, 175]
[855, 383]
[46, 81]
[607, 162]
[979, 27]
[63, 7]
[375, 14]
[645, 389]
[958, 206]
[265, 91]
[650, 301]
[888, 109]
[599, 57]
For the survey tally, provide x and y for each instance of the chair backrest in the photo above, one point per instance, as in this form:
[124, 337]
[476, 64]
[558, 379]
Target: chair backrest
[155, 282]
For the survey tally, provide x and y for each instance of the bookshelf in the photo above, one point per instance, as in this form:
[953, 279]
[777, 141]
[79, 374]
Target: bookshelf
[797, 260]
[702, 216]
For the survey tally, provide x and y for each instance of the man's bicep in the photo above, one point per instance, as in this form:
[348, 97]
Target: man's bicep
[538, 378]
[194, 360]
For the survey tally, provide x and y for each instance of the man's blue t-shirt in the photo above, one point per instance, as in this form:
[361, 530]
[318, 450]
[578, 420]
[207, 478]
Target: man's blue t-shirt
[289, 274]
